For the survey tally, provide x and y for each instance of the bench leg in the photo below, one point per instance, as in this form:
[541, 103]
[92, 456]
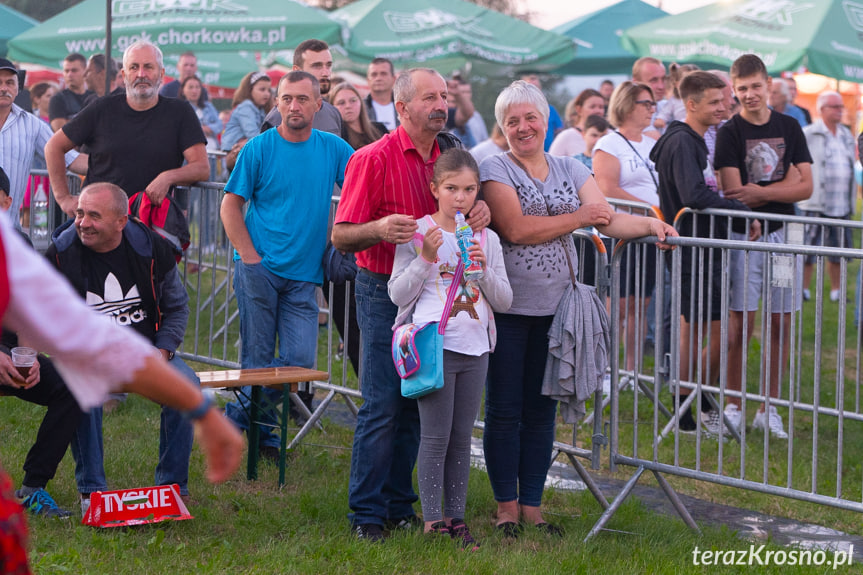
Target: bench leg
[254, 434]
[286, 403]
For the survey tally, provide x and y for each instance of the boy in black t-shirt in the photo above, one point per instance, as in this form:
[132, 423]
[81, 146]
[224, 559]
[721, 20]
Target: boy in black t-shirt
[764, 162]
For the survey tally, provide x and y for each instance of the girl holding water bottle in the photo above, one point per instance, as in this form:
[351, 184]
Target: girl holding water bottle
[422, 274]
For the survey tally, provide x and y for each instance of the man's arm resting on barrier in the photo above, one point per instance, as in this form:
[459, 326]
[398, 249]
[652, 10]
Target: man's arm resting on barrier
[196, 169]
[55, 158]
[235, 228]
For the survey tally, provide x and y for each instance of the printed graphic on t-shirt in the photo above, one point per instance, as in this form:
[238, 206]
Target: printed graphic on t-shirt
[467, 294]
[122, 308]
[764, 160]
[710, 178]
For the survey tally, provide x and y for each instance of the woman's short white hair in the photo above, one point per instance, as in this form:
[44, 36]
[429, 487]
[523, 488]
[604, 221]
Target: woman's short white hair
[520, 92]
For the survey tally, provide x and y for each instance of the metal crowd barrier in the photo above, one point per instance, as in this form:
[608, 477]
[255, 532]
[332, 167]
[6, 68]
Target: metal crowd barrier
[591, 253]
[821, 405]
[818, 396]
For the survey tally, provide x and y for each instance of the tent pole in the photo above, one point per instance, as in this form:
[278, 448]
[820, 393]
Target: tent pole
[108, 40]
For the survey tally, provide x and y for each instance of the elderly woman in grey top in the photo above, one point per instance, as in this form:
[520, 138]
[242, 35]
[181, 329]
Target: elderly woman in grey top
[536, 201]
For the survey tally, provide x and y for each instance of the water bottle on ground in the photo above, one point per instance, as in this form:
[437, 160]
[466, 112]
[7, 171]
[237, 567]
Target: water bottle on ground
[464, 237]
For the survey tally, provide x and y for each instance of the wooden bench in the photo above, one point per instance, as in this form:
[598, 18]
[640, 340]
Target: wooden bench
[285, 378]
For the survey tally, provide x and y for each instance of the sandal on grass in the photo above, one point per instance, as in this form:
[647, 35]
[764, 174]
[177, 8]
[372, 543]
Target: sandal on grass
[549, 529]
[509, 529]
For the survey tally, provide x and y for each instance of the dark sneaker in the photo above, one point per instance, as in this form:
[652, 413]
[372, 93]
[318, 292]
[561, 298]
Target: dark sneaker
[461, 534]
[370, 532]
[269, 453]
[41, 503]
[439, 528]
[509, 529]
[408, 523]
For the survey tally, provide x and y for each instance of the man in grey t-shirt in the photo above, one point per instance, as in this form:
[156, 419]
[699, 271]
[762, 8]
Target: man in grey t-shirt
[314, 57]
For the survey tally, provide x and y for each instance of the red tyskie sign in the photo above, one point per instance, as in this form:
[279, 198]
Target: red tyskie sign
[136, 506]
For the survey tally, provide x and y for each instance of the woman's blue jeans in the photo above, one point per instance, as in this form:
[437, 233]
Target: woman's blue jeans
[519, 420]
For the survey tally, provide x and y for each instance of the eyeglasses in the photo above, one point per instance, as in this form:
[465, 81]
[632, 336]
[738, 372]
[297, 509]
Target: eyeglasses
[834, 106]
[646, 103]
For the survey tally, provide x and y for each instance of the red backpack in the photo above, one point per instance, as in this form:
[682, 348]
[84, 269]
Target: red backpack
[166, 219]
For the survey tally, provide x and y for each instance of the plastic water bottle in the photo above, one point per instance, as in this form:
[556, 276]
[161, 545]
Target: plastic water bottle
[39, 215]
[464, 237]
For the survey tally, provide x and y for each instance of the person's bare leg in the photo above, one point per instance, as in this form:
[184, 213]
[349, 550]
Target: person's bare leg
[628, 308]
[531, 515]
[833, 271]
[807, 274]
[507, 512]
[738, 344]
[778, 361]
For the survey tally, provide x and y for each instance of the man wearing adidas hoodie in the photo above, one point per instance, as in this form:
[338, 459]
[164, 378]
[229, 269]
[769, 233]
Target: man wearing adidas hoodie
[128, 273]
[687, 180]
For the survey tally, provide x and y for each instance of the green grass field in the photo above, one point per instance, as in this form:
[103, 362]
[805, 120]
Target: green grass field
[254, 527]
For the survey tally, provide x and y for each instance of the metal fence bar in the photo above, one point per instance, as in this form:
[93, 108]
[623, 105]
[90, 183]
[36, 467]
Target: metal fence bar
[689, 457]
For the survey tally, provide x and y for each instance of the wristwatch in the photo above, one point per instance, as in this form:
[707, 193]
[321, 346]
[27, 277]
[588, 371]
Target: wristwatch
[200, 411]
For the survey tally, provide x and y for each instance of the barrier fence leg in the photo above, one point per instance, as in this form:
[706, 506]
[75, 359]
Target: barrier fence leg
[301, 407]
[618, 501]
[673, 422]
[588, 480]
[313, 420]
[676, 502]
[351, 405]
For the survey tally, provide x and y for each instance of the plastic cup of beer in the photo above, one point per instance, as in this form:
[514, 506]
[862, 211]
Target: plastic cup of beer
[23, 359]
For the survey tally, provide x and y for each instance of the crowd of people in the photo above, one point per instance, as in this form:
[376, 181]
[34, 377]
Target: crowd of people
[398, 158]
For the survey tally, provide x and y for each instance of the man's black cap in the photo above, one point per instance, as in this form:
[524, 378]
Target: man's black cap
[7, 65]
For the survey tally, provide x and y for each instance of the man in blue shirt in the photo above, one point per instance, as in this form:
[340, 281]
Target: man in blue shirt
[286, 175]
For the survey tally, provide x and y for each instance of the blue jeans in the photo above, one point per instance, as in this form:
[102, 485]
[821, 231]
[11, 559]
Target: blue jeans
[176, 436]
[271, 306]
[519, 420]
[387, 435]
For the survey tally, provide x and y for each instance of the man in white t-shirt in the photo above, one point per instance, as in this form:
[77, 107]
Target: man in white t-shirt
[379, 102]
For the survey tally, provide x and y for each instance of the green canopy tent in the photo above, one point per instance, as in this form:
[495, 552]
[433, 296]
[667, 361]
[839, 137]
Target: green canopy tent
[824, 36]
[597, 36]
[446, 35]
[12, 23]
[175, 26]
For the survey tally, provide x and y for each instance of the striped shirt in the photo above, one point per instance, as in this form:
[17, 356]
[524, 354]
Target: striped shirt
[383, 178]
[22, 136]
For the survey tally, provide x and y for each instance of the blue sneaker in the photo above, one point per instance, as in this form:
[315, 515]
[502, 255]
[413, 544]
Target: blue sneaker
[41, 503]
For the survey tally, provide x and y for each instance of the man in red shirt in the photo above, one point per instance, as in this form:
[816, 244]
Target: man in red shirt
[386, 190]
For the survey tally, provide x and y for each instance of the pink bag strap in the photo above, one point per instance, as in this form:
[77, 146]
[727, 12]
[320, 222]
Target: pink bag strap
[453, 287]
[450, 296]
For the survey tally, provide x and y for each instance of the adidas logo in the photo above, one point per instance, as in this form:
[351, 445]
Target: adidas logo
[124, 309]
